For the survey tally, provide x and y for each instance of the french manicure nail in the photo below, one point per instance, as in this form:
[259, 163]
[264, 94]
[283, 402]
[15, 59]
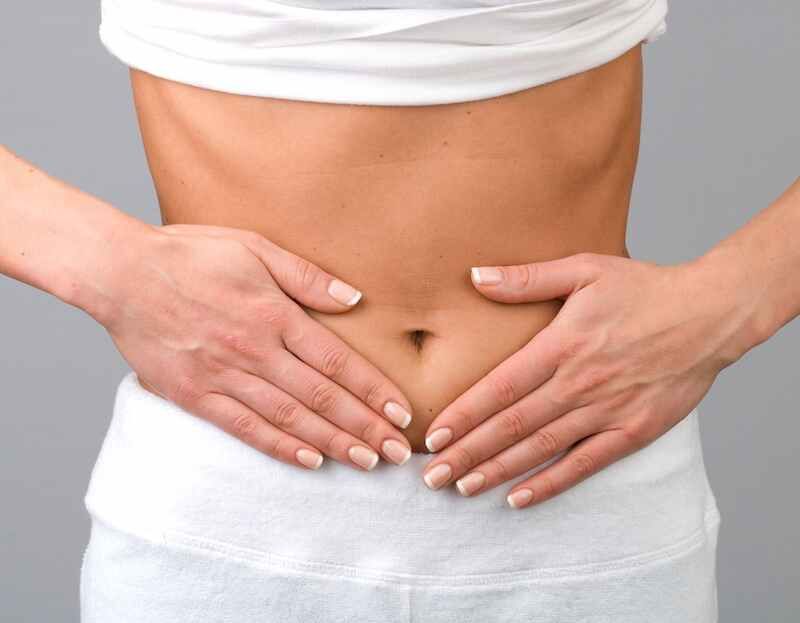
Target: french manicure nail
[470, 483]
[436, 477]
[362, 456]
[309, 458]
[343, 293]
[518, 498]
[397, 414]
[396, 451]
[438, 438]
[486, 275]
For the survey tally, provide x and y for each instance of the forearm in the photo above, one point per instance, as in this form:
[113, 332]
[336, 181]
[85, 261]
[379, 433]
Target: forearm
[762, 262]
[60, 239]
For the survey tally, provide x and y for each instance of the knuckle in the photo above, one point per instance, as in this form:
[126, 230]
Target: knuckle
[334, 361]
[275, 447]
[548, 487]
[374, 392]
[616, 401]
[592, 379]
[239, 344]
[244, 425]
[572, 345]
[500, 469]
[323, 398]
[369, 429]
[525, 275]
[293, 329]
[503, 388]
[584, 464]
[466, 418]
[640, 431]
[337, 440]
[187, 391]
[286, 414]
[461, 457]
[275, 314]
[462, 419]
[512, 422]
[543, 444]
[562, 396]
[305, 273]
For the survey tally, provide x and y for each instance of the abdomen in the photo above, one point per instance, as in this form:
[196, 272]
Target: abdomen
[402, 201]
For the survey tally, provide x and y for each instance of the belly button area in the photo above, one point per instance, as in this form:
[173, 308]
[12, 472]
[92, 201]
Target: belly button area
[418, 338]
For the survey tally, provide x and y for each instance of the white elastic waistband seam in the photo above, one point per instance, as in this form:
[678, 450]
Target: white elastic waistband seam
[262, 559]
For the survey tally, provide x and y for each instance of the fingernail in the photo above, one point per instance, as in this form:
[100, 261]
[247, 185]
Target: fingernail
[438, 438]
[309, 458]
[470, 483]
[436, 477]
[396, 451]
[362, 456]
[487, 275]
[518, 498]
[343, 293]
[398, 416]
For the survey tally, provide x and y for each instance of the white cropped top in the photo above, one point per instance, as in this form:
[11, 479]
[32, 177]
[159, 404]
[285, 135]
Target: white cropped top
[398, 52]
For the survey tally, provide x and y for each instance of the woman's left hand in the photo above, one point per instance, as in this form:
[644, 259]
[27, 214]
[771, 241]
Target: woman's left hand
[633, 349]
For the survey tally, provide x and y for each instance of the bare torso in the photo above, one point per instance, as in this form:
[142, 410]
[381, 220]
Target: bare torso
[401, 201]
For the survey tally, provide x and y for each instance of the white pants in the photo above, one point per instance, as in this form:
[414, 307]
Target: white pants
[190, 524]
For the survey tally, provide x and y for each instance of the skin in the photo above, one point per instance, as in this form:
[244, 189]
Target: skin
[401, 201]
[633, 350]
[228, 308]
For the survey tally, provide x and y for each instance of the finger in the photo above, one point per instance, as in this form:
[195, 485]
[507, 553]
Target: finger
[297, 277]
[538, 281]
[238, 420]
[303, 280]
[502, 430]
[287, 414]
[332, 402]
[543, 445]
[324, 351]
[521, 373]
[587, 458]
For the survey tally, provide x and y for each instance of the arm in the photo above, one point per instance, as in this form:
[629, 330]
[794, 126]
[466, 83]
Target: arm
[763, 259]
[61, 240]
[632, 351]
[204, 317]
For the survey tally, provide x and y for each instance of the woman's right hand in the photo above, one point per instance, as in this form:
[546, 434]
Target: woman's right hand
[207, 318]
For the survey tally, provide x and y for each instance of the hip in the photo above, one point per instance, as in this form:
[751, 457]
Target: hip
[190, 522]
[163, 472]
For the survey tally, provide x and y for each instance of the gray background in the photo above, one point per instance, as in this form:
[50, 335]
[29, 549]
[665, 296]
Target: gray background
[721, 140]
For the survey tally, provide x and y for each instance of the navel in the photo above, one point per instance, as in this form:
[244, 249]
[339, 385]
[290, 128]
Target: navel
[418, 338]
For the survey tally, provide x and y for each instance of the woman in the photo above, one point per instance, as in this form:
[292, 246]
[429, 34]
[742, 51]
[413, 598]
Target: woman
[395, 148]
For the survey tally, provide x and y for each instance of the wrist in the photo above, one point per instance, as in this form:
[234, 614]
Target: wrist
[727, 280]
[97, 282]
[63, 241]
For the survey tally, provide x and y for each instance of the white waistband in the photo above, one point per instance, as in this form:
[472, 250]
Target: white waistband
[164, 473]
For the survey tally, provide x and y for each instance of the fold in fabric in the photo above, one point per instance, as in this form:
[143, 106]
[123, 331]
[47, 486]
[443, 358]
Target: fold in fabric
[374, 53]
[191, 524]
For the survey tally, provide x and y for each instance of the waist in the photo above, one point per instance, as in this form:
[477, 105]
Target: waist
[402, 201]
[164, 474]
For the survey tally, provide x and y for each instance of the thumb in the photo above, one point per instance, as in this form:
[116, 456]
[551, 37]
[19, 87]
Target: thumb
[306, 282]
[300, 279]
[538, 281]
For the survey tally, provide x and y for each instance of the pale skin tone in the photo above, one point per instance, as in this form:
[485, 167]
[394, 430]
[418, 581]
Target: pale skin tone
[240, 310]
[634, 349]
[170, 314]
